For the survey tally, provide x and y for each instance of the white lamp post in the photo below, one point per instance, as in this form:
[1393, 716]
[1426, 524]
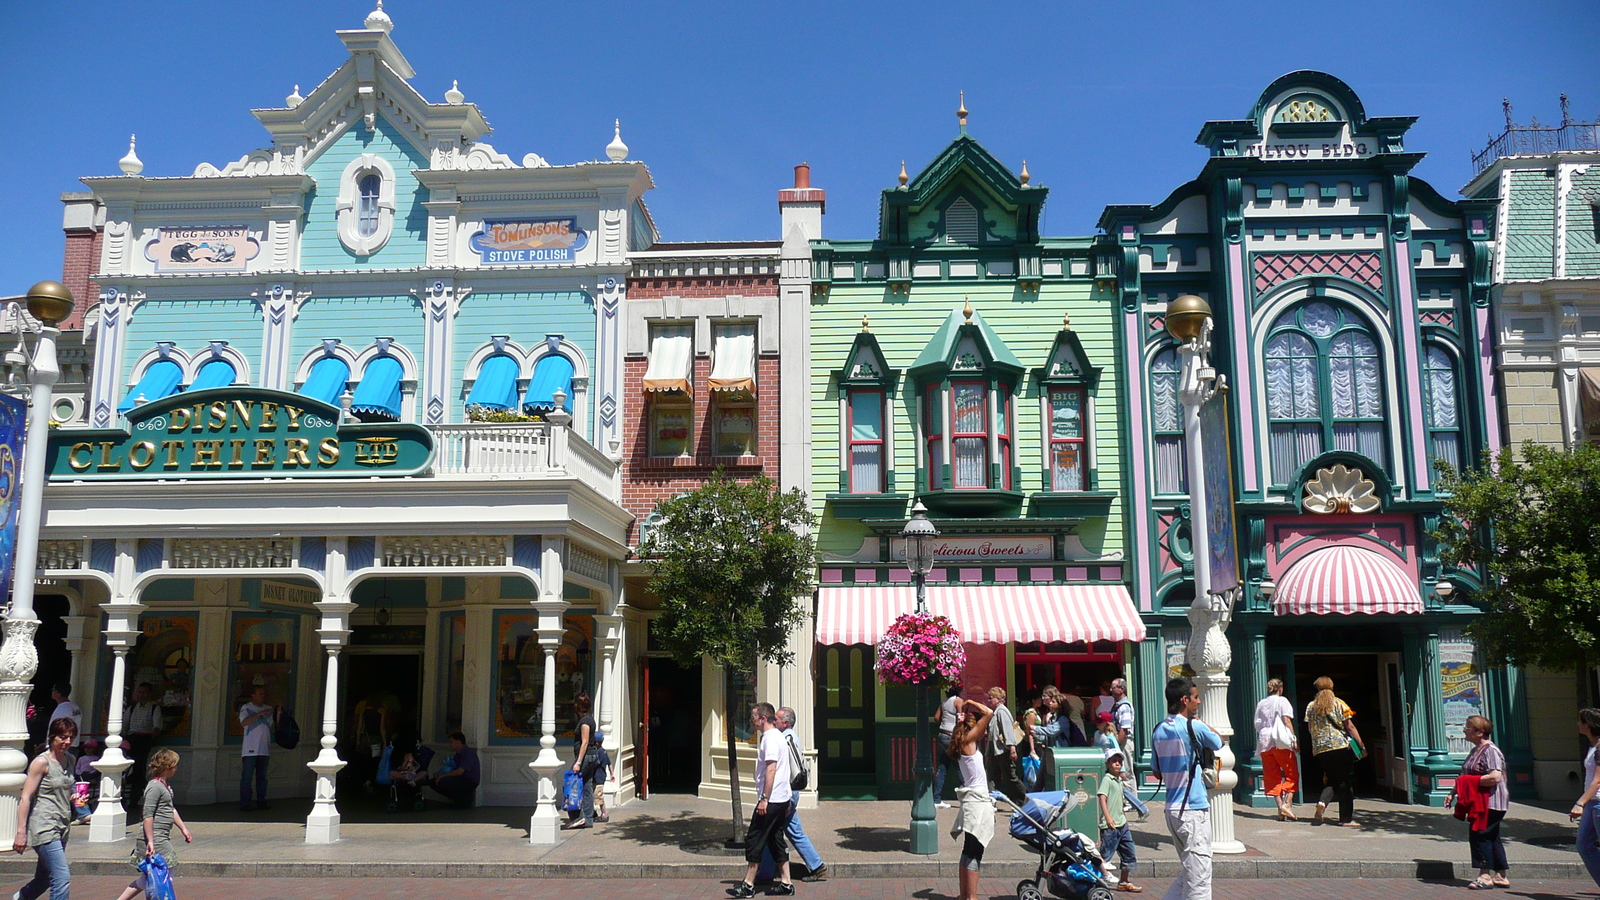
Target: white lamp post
[918, 535]
[49, 302]
[1189, 320]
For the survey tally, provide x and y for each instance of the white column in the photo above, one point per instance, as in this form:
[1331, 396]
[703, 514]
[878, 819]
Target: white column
[608, 695]
[110, 821]
[545, 827]
[1209, 654]
[322, 824]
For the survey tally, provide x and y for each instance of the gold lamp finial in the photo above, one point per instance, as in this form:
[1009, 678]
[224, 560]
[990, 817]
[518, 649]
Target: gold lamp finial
[903, 177]
[967, 310]
[961, 114]
[50, 302]
[1025, 176]
[1186, 317]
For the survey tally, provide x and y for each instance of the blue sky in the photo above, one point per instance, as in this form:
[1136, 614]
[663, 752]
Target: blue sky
[722, 99]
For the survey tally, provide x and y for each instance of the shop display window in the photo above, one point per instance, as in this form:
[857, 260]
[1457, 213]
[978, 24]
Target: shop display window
[519, 675]
[263, 656]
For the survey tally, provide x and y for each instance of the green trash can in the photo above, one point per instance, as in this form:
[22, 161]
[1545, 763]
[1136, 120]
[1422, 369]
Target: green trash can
[1077, 771]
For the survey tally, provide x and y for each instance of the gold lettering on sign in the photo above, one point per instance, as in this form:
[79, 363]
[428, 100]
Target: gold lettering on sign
[207, 455]
[377, 451]
[82, 465]
[142, 455]
[294, 452]
[328, 451]
[107, 459]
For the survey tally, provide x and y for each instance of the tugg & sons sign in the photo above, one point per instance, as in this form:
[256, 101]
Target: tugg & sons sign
[238, 432]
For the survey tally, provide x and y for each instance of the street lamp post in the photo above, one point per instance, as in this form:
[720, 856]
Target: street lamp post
[918, 535]
[49, 302]
[1188, 319]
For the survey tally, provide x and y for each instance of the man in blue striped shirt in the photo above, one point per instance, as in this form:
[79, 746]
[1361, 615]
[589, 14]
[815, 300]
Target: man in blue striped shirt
[1176, 744]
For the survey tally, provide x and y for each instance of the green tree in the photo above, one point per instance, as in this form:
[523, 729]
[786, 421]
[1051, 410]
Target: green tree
[731, 561]
[1533, 526]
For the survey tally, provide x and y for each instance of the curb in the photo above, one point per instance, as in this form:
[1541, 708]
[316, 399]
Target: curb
[1225, 869]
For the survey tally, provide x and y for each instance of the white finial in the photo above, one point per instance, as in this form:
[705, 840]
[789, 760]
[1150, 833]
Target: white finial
[131, 164]
[293, 99]
[454, 95]
[378, 20]
[617, 150]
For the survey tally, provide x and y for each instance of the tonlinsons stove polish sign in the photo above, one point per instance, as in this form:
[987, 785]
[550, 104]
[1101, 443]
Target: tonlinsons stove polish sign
[529, 241]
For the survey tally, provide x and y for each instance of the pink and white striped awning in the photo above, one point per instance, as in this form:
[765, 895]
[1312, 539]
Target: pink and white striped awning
[1342, 580]
[986, 613]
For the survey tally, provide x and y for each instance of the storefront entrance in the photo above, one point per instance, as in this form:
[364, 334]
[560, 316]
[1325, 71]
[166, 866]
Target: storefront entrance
[1370, 684]
[382, 697]
[673, 716]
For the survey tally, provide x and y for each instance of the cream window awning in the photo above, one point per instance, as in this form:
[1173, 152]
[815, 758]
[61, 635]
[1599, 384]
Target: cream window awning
[671, 358]
[733, 359]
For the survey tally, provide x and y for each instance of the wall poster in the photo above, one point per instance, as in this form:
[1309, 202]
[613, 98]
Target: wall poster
[1463, 685]
[263, 656]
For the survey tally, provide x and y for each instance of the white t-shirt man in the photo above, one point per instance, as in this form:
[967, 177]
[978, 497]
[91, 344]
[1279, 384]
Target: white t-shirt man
[66, 709]
[258, 734]
[774, 747]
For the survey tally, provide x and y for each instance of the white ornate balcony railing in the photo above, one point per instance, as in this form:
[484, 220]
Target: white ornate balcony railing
[527, 450]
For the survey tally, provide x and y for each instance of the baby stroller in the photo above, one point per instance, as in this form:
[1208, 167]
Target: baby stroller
[1070, 866]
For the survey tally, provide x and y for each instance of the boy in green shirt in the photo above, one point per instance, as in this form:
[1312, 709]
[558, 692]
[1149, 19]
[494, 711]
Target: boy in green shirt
[1114, 834]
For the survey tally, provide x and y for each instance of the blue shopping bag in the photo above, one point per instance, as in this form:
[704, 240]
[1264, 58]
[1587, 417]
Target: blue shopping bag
[572, 791]
[157, 878]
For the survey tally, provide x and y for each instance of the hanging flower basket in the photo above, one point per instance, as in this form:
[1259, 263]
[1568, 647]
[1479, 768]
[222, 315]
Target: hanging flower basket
[920, 648]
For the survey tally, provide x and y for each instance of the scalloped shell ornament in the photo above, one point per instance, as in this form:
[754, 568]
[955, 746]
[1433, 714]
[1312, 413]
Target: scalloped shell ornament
[1341, 489]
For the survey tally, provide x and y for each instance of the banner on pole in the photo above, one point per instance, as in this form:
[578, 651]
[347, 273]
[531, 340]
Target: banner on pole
[13, 425]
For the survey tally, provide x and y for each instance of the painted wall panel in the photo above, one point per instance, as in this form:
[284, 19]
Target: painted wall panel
[320, 247]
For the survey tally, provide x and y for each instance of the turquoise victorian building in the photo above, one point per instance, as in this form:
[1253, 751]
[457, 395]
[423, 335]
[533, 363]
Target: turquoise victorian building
[1352, 323]
[962, 360]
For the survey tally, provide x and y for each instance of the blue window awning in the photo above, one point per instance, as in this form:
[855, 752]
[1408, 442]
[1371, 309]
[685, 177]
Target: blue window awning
[378, 394]
[552, 373]
[496, 387]
[326, 381]
[160, 380]
[214, 374]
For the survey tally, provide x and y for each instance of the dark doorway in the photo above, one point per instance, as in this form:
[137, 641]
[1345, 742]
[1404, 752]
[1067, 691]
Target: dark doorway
[1355, 681]
[382, 696]
[675, 719]
[55, 664]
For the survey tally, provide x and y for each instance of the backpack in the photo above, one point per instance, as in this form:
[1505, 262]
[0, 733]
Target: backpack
[288, 734]
[799, 768]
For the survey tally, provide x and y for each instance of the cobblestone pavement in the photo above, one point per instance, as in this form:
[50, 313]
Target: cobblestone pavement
[835, 889]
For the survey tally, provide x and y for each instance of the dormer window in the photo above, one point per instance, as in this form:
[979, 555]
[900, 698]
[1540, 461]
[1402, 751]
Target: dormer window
[365, 210]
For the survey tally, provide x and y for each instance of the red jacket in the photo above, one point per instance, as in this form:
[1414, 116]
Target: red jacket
[1472, 802]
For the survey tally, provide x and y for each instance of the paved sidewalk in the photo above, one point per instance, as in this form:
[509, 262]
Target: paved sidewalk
[663, 838]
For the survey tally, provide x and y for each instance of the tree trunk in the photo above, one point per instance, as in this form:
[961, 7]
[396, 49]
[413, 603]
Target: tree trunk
[733, 760]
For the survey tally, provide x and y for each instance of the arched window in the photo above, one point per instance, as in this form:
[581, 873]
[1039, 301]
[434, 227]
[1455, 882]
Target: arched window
[1324, 388]
[1171, 464]
[1440, 404]
[367, 212]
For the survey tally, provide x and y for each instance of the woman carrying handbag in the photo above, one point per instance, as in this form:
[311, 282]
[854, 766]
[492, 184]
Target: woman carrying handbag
[1336, 745]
